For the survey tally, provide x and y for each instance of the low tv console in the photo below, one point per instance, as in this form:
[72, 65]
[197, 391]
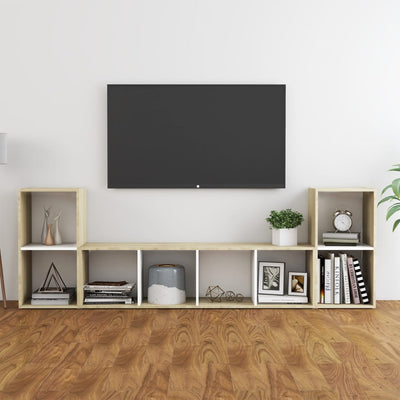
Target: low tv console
[200, 264]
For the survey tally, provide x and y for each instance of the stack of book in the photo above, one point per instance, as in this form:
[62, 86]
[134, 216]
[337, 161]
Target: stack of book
[341, 280]
[100, 292]
[341, 238]
[53, 298]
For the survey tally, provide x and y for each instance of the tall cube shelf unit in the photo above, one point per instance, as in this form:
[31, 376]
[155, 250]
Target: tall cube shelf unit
[323, 202]
[207, 263]
[32, 254]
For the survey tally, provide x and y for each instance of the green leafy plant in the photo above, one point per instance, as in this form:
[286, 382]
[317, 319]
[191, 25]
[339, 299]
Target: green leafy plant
[395, 196]
[285, 219]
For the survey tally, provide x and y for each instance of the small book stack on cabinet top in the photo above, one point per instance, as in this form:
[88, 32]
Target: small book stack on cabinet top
[341, 238]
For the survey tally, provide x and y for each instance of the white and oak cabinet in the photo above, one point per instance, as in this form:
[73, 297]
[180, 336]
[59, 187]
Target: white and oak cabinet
[232, 266]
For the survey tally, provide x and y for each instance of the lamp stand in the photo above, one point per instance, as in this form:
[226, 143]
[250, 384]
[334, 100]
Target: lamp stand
[3, 289]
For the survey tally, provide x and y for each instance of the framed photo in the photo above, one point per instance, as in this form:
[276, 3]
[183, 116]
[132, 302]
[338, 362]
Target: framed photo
[297, 285]
[270, 277]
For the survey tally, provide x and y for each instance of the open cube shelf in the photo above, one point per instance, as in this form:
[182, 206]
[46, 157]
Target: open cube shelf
[232, 266]
[34, 257]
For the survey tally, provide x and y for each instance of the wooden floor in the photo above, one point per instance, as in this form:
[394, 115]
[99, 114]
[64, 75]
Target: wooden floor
[200, 354]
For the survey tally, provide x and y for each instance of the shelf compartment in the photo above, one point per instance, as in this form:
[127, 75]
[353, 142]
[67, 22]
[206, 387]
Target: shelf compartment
[367, 261]
[113, 265]
[295, 261]
[72, 202]
[187, 258]
[33, 269]
[360, 201]
[230, 270]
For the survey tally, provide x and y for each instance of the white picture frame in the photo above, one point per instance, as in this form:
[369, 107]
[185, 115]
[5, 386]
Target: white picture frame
[297, 284]
[271, 277]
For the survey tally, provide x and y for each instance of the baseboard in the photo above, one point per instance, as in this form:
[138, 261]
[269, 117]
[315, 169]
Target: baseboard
[10, 304]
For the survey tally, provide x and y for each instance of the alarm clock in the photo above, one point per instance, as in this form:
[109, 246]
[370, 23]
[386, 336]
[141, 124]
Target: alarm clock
[342, 221]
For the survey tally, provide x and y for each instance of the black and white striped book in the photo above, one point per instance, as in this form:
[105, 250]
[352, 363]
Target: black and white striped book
[360, 282]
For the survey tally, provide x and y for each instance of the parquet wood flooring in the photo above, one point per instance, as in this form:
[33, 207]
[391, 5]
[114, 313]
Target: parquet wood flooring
[200, 354]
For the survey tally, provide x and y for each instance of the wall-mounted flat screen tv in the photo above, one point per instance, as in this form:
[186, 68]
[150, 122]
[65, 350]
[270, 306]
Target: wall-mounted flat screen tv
[196, 136]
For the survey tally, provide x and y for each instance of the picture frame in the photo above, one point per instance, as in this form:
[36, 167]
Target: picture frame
[271, 277]
[297, 284]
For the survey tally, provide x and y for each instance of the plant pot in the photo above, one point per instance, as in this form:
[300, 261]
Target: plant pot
[284, 237]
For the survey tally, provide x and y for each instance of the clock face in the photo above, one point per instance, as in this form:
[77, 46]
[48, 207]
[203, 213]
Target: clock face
[342, 222]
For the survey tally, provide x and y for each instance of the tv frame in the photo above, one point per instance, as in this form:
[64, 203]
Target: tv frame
[196, 185]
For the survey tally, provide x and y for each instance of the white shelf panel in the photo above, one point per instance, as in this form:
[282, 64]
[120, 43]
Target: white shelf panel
[56, 247]
[360, 246]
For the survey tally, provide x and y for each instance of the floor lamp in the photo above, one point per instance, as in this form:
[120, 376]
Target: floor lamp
[3, 160]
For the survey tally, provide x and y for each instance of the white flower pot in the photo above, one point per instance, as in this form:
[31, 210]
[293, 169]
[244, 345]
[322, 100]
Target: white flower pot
[284, 237]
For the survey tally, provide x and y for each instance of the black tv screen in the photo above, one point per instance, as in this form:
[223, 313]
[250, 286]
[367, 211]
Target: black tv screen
[196, 136]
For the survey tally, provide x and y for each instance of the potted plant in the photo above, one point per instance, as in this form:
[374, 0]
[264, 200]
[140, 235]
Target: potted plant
[284, 225]
[395, 196]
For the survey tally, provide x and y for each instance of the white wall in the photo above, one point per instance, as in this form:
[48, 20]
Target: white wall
[339, 59]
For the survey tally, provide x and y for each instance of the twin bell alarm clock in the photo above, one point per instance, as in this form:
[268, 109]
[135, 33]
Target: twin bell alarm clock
[342, 221]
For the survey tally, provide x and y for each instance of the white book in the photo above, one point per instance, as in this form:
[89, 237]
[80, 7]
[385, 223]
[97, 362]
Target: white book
[126, 288]
[341, 235]
[345, 276]
[274, 298]
[108, 300]
[328, 281]
[337, 280]
[50, 302]
[67, 293]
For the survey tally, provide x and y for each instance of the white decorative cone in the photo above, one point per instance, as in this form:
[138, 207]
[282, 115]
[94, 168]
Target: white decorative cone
[57, 234]
[284, 237]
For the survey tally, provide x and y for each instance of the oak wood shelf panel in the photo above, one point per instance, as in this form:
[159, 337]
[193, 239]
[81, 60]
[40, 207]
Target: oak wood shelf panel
[31, 306]
[191, 246]
[361, 246]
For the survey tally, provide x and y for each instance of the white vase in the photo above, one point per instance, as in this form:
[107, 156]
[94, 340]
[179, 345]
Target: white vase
[57, 234]
[45, 224]
[284, 237]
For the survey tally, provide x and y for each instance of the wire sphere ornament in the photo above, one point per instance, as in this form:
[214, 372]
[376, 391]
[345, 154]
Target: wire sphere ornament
[215, 293]
[229, 295]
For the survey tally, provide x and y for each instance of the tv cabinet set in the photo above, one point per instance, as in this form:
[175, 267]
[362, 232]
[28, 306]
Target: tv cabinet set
[232, 266]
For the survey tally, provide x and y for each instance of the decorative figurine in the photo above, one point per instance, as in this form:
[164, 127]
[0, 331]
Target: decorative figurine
[215, 293]
[45, 224]
[239, 297]
[229, 295]
[57, 234]
[49, 237]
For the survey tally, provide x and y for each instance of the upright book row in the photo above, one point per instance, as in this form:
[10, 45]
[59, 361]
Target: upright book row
[341, 280]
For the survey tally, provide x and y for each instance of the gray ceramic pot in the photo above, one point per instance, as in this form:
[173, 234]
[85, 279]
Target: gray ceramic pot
[166, 284]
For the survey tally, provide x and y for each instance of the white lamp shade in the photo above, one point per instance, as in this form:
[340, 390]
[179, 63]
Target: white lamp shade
[3, 148]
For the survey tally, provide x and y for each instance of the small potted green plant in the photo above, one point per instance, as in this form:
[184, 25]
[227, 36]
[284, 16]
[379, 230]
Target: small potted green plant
[284, 225]
[395, 196]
